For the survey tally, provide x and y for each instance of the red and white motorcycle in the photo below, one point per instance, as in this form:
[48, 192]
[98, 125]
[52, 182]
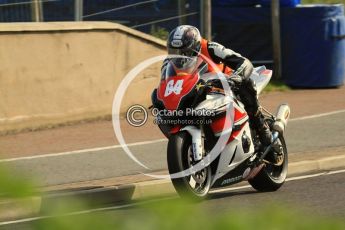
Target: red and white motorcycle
[211, 143]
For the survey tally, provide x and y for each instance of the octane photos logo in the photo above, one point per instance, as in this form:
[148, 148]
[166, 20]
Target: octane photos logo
[137, 116]
[118, 97]
[181, 113]
[136, 110]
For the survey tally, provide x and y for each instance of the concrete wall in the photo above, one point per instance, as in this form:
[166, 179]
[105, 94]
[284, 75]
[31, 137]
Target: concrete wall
[57, 72]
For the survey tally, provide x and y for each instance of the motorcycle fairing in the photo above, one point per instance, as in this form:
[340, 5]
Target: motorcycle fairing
[233, 154]
[232, 157]
[261, 76]
[172, 101]
[178, 84]
[236, 175]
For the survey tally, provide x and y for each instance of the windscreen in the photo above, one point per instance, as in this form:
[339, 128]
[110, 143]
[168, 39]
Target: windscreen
[178, 66]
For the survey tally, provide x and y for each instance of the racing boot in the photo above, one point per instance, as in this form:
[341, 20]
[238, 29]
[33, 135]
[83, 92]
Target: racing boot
[262, 128]
[248, 96]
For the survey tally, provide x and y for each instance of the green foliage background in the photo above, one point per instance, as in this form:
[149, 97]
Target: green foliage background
[177, 214]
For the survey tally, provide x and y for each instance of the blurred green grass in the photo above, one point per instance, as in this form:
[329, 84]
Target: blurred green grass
[276, 85]
[13, 185]
[177, 214]
[169, 214]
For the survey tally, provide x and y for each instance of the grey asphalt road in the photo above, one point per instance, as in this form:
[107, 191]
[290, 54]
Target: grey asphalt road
[302, 135]
[320, 196]
[323, 195]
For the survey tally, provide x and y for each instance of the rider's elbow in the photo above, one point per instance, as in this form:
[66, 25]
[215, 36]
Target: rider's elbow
[248, 68]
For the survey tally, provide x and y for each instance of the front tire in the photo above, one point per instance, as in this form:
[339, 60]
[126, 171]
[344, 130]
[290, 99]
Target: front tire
[195, 186]
[272, 177]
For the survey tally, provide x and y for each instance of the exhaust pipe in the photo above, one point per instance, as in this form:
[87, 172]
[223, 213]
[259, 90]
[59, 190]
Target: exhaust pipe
[283, 114]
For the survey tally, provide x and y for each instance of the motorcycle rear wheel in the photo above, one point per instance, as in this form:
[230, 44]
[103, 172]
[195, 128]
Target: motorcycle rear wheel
[272, 177]
[195, 186]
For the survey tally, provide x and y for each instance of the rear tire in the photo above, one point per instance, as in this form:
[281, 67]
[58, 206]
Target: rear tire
[272, 177]
[179, 159]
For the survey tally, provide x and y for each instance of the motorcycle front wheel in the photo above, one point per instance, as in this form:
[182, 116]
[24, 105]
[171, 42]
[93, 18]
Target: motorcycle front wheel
[180, 157]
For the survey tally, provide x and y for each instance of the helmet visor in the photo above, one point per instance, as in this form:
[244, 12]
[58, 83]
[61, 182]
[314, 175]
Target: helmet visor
[186, 64]
[184, 52]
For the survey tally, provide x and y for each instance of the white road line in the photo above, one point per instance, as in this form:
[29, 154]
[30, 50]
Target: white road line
[82, 151]
[230, 189]
[336, 172]
[288, 179]
[136, 143]
[306, 176]
[155, 200]
[317, 115]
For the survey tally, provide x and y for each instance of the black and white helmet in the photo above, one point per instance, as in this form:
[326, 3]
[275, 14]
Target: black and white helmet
[184, 40]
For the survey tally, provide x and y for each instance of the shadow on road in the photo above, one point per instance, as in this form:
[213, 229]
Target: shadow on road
[220, 195]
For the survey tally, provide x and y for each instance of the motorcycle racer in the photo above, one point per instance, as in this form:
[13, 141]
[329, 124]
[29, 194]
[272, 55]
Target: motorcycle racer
[186, 40]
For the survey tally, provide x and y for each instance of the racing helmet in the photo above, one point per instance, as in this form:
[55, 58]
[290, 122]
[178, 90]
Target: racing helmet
[184, 40]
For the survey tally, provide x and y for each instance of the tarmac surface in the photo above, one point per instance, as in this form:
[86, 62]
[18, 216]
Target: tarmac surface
[307, 131]
[321, 195]
[85, 160]
[313, 134]
[101, 133]
[316, 195]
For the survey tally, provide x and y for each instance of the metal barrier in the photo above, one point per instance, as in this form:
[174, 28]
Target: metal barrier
[147, 16]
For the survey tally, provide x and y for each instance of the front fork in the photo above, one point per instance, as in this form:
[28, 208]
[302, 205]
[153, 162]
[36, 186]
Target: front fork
[198, 138]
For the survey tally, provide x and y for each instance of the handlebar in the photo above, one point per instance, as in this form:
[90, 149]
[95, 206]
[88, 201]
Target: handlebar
[234, 82]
